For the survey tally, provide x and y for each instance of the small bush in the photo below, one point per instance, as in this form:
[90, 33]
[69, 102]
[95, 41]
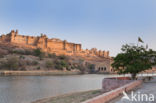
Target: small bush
[38, 68]
[62, 57]
[53, 55]
[72, 67]
[39, 53]
[81, 68]
[34, 62]
[22, 57]
[12, 63]
[19, 51]
[59, 67]
[64, 63]
[49, 64]
[61, 64]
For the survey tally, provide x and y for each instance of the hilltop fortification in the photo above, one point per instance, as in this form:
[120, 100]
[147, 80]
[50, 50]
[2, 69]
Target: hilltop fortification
[53, 45]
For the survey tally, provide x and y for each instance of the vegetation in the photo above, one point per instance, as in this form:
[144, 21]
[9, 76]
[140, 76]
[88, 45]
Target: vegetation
[81, 66]
[35, 62]
[38, 68]
[61, 64]
[12, 63]
[38, 52]
[17, 58]
[134, 59]
[49, 64]
[21, 51]
[53, 55]
[62, 57]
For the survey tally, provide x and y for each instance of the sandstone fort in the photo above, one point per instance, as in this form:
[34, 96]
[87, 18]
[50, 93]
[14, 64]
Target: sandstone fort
[53, 45]
[101, 59]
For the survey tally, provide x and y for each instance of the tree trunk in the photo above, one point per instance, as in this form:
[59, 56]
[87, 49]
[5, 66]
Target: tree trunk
[133, 75]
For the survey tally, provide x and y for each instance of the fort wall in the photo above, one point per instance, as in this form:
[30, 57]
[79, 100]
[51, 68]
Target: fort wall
[53, 45]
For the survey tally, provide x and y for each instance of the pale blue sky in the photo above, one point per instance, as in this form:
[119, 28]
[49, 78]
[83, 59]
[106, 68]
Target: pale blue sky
[105, 24]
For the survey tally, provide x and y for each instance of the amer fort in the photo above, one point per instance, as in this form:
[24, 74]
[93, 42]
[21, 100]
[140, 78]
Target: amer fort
[100, 58]
[53, 45]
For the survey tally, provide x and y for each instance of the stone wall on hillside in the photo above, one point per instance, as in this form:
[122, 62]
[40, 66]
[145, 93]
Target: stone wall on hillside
[53, 45]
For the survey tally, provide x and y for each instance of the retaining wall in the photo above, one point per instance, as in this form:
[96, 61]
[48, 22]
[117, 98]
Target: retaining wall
[32, 73]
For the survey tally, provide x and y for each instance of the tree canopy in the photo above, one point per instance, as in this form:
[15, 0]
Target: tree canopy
[134, 59]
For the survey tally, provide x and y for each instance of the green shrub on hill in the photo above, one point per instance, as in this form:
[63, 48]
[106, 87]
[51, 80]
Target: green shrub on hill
[34, 62]
[49, 64]
[12, 63]
[60, 64]
[53, 55]
[38, 52]
[62, 57]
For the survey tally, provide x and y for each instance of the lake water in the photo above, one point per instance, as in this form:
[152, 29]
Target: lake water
[25, 89]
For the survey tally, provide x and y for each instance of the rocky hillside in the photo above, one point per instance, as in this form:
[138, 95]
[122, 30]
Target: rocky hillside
[13, 57]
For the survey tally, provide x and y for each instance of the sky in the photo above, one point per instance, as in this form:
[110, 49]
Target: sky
[104, 24]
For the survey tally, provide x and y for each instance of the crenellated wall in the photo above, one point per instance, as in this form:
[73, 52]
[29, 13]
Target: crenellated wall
[53, 45]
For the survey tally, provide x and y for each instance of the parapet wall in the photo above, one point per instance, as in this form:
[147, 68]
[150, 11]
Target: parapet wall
[106, 97]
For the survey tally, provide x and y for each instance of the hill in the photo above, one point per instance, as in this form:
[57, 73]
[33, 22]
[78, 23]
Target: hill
[14, 57]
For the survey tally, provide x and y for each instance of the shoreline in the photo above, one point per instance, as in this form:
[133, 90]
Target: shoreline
[76, 97]
[92, 96]
[58, 72]
[37, 73]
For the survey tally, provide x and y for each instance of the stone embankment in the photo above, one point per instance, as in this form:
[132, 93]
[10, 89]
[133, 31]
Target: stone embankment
[31, 73]
[108, 96]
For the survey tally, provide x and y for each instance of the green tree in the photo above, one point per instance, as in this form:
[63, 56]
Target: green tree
[134, 59]
[60, 64]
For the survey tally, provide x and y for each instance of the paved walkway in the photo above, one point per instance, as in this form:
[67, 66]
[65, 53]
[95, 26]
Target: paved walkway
[147, 88]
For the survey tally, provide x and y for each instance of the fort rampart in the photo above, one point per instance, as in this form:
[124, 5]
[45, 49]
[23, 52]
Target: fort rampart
[53, 45]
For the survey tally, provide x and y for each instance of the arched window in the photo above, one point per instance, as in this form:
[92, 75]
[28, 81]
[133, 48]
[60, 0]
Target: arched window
[102, 68]
[99, 68]
[105, 68]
